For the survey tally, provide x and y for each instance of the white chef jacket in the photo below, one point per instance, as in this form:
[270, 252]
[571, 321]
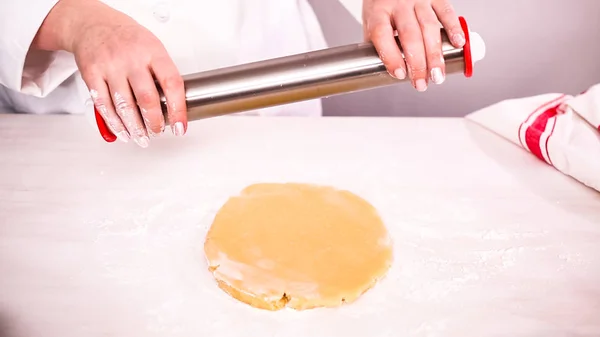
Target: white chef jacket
[198, 34]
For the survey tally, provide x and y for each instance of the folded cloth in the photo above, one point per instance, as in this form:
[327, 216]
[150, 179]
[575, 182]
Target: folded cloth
[561, 130]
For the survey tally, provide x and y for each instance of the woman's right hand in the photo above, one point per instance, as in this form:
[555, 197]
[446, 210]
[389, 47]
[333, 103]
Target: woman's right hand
[119, 61]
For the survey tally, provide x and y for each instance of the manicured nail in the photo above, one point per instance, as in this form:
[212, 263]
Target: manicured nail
[123, 136]
[437, 76]
[421, 85]
[459, 39]
[400, 74]
[143, 141]
[178, 129]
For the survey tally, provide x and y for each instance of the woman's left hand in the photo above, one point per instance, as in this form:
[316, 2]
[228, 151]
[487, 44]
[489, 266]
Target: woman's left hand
[418, 24]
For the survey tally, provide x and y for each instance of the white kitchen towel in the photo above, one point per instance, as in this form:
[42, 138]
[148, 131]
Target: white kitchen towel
[561, 130]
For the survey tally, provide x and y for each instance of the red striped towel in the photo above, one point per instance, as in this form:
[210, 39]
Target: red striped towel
[561, 130]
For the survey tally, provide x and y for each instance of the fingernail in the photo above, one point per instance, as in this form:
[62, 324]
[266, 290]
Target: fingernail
[459, 39]
[437, 76]
[123, 136]
[143, 141]
[421, 85]
[400, 74]
[178, 129]
[153, 134]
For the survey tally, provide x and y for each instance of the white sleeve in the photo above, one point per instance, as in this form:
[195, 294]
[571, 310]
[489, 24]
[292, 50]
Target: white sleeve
[35, 73]
[355, 8]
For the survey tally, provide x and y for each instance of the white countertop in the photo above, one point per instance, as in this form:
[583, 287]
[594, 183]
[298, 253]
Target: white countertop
[102, 239]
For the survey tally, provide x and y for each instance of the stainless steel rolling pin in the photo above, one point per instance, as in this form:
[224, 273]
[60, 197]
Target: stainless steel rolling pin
[306, 76]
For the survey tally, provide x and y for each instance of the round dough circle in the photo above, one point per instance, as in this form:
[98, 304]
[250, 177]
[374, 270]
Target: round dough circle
[297, 245]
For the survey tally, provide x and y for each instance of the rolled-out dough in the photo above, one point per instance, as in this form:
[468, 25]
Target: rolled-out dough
[297, 245]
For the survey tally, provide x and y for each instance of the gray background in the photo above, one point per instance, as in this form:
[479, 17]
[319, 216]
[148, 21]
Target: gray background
[533, 47]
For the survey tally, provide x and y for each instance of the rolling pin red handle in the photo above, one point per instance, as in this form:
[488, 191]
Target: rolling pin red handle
[103, 127]
[467, 48]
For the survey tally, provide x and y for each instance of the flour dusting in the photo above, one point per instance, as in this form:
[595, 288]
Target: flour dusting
[443, 258]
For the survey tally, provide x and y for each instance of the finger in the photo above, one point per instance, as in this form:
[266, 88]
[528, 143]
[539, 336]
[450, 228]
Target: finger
[146, 95]
[381, 34]
[411, 40]
[103, 103]
[127, 109]
[174, 90]
[432, 37]
[447, 16]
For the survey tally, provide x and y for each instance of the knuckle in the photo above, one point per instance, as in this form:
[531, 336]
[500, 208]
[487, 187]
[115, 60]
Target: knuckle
[409, 32]
[150, 122]
[110, 64]
[135, 127]
[383, 57]
[151, 114]
[115, 125]
[113, 121]
[147, 98]
[157, 127]
[173, 82]
[413, 52]
[121, 104]
[378, 32]
[89, 70]
[153, 119]
[176, 113]
[101, 102]
[446, 8]
[429, 23]
[123, 107]
[140, 132]
[173, 115]
[419, 69]
[436, 58]
[106, 115]
[456, 29]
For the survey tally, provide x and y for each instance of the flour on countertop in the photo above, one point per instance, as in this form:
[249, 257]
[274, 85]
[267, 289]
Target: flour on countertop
[443, 258]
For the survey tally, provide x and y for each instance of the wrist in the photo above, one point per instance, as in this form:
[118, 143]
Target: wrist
[62, 24]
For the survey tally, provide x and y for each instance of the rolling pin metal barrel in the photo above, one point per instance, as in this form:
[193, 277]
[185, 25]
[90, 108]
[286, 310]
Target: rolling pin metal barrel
[295, 78]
